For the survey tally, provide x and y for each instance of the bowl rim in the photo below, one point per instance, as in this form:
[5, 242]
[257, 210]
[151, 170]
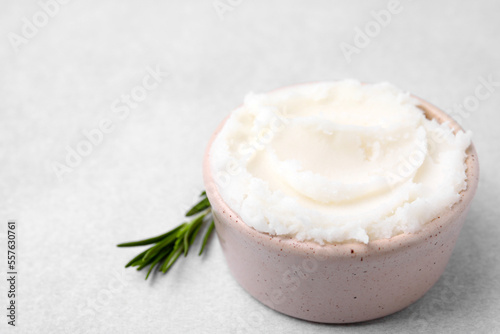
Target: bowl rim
[353, 248]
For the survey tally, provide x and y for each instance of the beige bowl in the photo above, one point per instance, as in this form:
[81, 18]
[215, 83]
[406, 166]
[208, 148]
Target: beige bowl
[342, 282]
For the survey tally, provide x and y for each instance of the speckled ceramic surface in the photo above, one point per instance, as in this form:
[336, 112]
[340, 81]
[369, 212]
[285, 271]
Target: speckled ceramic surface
[340, 283]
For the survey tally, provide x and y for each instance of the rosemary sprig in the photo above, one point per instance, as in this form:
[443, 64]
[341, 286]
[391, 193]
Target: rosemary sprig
[169, 246]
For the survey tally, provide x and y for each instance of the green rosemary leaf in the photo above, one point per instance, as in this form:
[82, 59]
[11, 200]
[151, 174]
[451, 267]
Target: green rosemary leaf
[194, 234]
[158, 255]
[180, 238]
[192, 226]
[191, 237]
[155, 263]
[159, 246]
[152, 259]
[135, 259]
[207, 235]
[200, 206]
[171, 259]
[186, 243]
[150, 240]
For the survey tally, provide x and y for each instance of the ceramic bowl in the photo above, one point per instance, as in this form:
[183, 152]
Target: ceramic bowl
[340, 282]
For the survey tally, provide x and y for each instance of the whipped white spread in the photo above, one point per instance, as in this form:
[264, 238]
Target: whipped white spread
[337, 161]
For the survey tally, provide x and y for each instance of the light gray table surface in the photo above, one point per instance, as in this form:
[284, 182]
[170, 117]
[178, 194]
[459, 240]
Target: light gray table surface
[63, 71]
